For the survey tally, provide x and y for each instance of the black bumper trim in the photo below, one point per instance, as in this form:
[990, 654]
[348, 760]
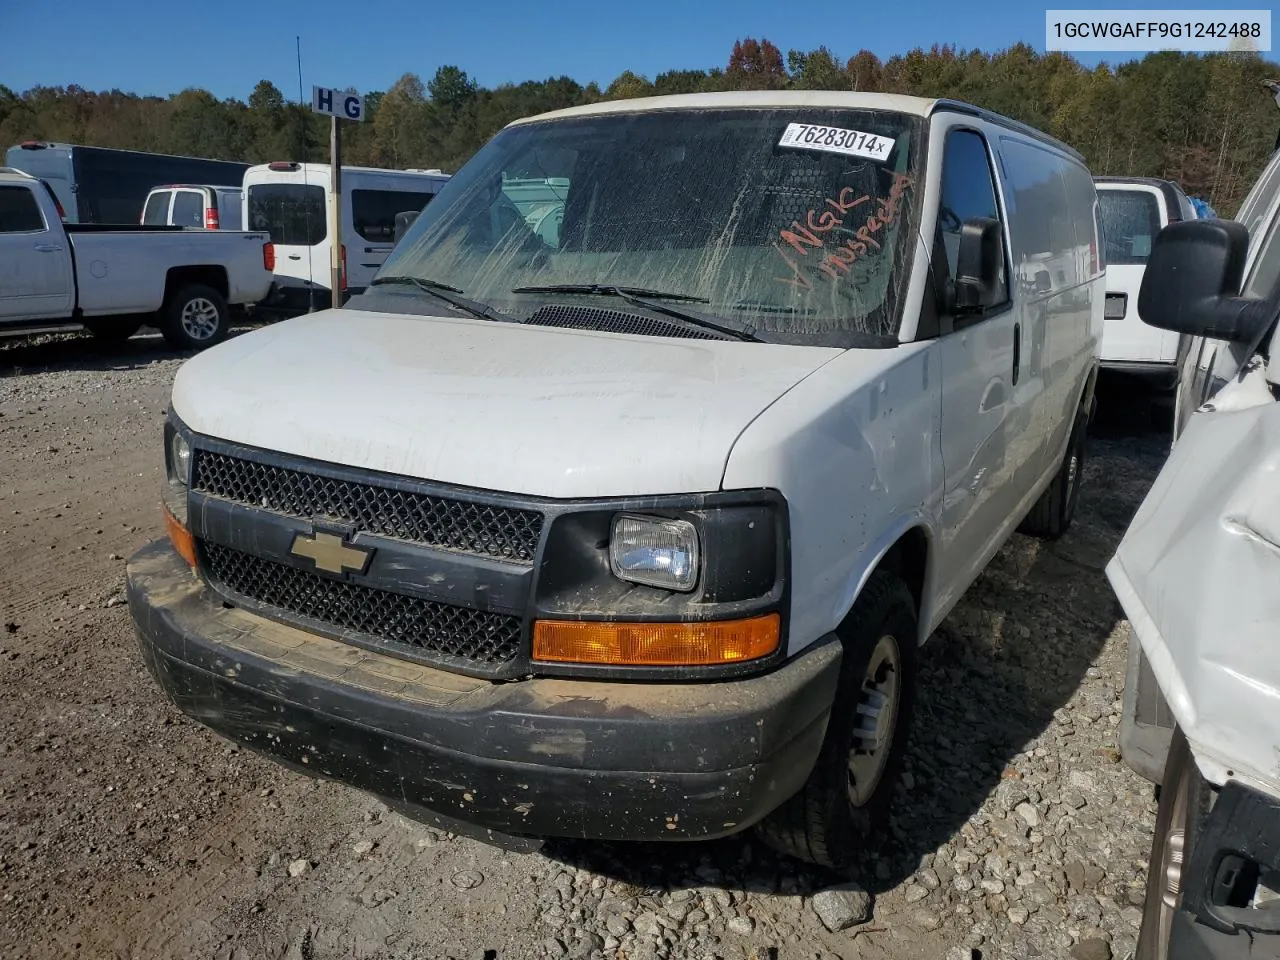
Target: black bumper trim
[543, 757]
[1239, 838]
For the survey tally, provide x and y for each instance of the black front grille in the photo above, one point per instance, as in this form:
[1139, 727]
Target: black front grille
[482, 638]
[505, 533]
[616, 321]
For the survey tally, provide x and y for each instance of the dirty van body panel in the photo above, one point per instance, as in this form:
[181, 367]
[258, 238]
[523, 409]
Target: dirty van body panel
[546, 757]
[582, 414]
[744, 355]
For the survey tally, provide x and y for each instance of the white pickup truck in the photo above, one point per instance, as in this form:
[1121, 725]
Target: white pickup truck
[114, 279]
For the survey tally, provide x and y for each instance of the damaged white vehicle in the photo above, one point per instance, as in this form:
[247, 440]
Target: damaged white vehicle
[1198, 575]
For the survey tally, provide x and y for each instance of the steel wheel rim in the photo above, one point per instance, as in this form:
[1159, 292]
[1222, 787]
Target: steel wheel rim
[1172, 851]
[875, 720]
[199, 318]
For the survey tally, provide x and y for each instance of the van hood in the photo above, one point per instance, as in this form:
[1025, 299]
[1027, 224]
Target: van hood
[533, 410]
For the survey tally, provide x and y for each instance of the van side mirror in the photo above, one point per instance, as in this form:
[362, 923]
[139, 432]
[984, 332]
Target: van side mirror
[1192, 282]
[979, 282]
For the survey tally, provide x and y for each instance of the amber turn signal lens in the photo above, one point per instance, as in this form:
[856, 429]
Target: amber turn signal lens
[180, 537]
[656, 644]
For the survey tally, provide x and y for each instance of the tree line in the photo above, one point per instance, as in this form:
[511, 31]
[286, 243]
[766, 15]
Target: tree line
[1203, 120]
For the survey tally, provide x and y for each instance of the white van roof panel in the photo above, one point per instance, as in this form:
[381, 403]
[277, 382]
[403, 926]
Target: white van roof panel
[920, 106]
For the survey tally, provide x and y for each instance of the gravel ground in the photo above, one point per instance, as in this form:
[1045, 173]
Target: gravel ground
[128, 831]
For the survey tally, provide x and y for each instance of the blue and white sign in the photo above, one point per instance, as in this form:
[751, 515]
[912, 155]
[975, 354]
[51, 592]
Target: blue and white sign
[342, 104]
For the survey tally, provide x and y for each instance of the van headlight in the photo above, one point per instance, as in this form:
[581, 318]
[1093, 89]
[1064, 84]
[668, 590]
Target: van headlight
[179, 459]
[655, 552]
[177, 468]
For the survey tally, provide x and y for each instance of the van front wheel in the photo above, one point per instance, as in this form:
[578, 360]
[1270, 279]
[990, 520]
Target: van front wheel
[844, 805]
[196, 316]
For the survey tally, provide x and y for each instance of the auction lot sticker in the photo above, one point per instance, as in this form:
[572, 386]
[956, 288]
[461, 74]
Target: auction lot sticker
[853, 143]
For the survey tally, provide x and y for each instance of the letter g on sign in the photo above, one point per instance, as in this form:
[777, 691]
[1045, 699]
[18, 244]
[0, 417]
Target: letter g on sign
[351, 106]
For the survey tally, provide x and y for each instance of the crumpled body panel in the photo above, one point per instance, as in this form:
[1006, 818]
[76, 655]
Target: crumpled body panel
[1198, 574]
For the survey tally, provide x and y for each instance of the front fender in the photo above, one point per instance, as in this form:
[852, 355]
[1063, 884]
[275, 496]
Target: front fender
[1196, 574]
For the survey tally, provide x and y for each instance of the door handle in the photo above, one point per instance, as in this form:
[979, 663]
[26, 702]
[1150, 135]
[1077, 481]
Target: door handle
[48, 248]
[295, 256]
[1017, 351]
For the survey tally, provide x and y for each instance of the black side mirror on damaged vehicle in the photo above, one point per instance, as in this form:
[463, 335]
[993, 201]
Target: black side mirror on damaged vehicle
[979, 283]
[1192, 283]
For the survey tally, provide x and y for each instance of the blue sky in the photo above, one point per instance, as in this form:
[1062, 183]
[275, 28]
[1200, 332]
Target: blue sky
[162, 46]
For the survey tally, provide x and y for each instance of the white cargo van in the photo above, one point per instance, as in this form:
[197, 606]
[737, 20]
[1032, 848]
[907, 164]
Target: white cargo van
[290, 201]
[627, 519]
[1134, 211]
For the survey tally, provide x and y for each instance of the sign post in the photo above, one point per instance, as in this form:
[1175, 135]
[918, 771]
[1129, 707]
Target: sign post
[337, 105]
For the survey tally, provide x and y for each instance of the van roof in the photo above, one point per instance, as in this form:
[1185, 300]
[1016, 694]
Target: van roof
[1157, 182]
[194, 186]
[323, 168]
[1168, 188]
[13, 173]
[764, 99]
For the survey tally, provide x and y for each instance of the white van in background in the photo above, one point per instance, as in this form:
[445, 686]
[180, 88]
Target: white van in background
[202, 205]
[1134, 210]
[290, 201]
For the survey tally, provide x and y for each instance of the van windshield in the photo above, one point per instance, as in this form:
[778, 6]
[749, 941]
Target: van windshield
[795, 222]
[1130, 222]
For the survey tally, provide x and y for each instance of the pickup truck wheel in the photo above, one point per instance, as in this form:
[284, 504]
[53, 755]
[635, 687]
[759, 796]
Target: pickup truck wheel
[113, 331]
[196, 316]
[1050, 518]
[1184, 799]
[843, 807]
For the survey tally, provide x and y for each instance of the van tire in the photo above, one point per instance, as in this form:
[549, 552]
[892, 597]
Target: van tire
[1185, 797]
[195, 317]
[1050, 518]
[111, 330]
[824, 824]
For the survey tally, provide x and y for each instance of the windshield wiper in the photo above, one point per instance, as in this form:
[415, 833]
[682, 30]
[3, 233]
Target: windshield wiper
[611, 290]
[641, 297]
[447, 293]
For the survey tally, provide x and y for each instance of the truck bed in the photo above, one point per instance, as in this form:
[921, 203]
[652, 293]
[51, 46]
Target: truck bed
[118, 228]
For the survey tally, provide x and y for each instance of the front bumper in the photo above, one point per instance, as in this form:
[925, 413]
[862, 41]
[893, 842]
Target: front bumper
[540, 758]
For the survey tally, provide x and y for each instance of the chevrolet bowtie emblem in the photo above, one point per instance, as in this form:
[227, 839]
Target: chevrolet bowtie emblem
[330, 553]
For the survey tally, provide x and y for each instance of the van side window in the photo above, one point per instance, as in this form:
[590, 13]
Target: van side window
[373, 212]
[188, 209]
[968, 190]
[156, 212]
[1266, 265]
[19, 212]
